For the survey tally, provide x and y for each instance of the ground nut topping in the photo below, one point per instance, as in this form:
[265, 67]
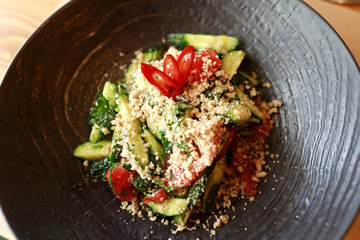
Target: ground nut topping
[184, 136]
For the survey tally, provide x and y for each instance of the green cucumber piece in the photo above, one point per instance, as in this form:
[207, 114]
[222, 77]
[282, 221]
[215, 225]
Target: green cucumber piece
[197, 190]
[249, 103]
[153, 128]
[184, 111]
[213, 184]
[155, 147]
[241, 78]
[170, 207]
[231, 62]
[93, 151]
[114, 147]
[135, 142]
[253, 80]
[221, 43]
[239, 113]
[182, 219]
[153, 53]
[254, 120]
[95, 135]
[215, 92]
[110, 92]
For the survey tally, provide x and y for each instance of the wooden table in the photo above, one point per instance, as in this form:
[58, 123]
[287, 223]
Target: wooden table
[19, 18]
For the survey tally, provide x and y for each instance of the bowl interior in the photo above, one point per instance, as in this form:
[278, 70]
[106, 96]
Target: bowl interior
[310, 190]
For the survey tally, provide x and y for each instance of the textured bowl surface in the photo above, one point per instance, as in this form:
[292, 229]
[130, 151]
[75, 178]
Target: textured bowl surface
[312, 189]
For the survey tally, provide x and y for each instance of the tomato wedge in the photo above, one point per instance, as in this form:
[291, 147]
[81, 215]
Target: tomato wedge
[185, 62]
[157, 197]
[206, 63]
[120, 181]
[166, 85]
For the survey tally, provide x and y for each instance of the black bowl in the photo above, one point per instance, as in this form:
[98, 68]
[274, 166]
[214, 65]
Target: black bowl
[312, 189]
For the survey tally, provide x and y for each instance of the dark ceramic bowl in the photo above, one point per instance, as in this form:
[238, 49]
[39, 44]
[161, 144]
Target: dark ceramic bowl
[312, 189]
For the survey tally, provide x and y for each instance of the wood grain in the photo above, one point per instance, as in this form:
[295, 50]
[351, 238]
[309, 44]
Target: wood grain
[19, 19]
[344, 19]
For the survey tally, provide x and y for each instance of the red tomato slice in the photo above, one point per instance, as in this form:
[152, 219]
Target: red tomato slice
[120, 181]
[157, 197]
[171, 69]
[166, 85]
[185, 62]
[181, 179]
[206, 63]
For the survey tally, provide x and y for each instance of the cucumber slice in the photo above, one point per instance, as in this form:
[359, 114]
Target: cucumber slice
[95, 135]
[213, 184]
[182, 219]
[155, 147]
[114, 147]
[239, 113]
[93, 151]
[249, 103]
[250, 78]
[248, 82]
[110, 92]
[231, 62]
[153, 53]
[153, 127]
[135, 142]
[170, 207]
[197, 190]
[221, 43]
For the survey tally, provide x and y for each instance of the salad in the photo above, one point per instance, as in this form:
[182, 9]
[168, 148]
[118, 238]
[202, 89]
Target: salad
[182, 129]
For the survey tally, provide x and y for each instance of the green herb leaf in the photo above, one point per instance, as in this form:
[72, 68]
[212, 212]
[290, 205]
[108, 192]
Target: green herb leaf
[102, 113]
[100, 167]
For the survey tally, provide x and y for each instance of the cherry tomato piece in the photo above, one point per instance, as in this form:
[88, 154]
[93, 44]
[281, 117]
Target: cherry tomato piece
[157, 197]
[206, 63]
[119, 180]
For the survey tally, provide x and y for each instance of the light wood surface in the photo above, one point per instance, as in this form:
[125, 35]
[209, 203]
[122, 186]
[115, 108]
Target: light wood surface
[19, 18]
